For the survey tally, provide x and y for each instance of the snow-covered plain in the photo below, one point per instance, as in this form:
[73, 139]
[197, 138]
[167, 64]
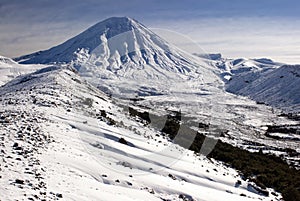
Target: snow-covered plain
[80, 158]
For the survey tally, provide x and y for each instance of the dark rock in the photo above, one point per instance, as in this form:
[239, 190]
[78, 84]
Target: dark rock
[186, 197]
[172, 176]
[59, 195]
[123, 141]
[19, 181]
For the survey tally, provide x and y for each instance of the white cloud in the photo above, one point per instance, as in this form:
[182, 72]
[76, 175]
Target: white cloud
[245, 37]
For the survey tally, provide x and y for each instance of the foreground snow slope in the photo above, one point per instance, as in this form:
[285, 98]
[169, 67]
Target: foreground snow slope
[60, 139]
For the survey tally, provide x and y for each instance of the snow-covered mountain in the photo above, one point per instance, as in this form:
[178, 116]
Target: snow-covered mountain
[278, 87]
[58, 132]
[262, 80]
[231, 67]
[123, 54]
[67, 132]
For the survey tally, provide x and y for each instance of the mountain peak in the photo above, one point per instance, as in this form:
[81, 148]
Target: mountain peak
[88, 39]
[123, 19]
[113, 26]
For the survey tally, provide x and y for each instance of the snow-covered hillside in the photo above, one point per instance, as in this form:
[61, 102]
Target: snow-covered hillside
[64, 139]
[262, 80]
[278, 87]
[6, 62]
[9, 69]
[232, 67]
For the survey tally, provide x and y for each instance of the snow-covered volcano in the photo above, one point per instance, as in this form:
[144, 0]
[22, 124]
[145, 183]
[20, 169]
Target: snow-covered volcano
[124, 51]
[114, 43]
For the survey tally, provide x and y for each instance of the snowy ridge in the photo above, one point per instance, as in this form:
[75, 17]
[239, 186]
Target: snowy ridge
[278, 87]
[81, 146]
[9, 69]
[6, 62]
[232, 67]
[262, 80]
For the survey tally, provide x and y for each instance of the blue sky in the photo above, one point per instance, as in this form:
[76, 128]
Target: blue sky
[252, 28]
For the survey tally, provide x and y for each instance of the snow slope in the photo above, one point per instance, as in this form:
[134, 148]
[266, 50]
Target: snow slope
[83, 125]
[58, 143]
[9, 69]
[278, 87]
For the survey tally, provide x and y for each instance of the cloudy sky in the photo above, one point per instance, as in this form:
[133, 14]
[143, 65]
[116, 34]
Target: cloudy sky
[235, 28]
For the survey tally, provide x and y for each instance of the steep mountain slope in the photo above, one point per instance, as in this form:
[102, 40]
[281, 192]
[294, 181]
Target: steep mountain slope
[279, 87]
[57, 137]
